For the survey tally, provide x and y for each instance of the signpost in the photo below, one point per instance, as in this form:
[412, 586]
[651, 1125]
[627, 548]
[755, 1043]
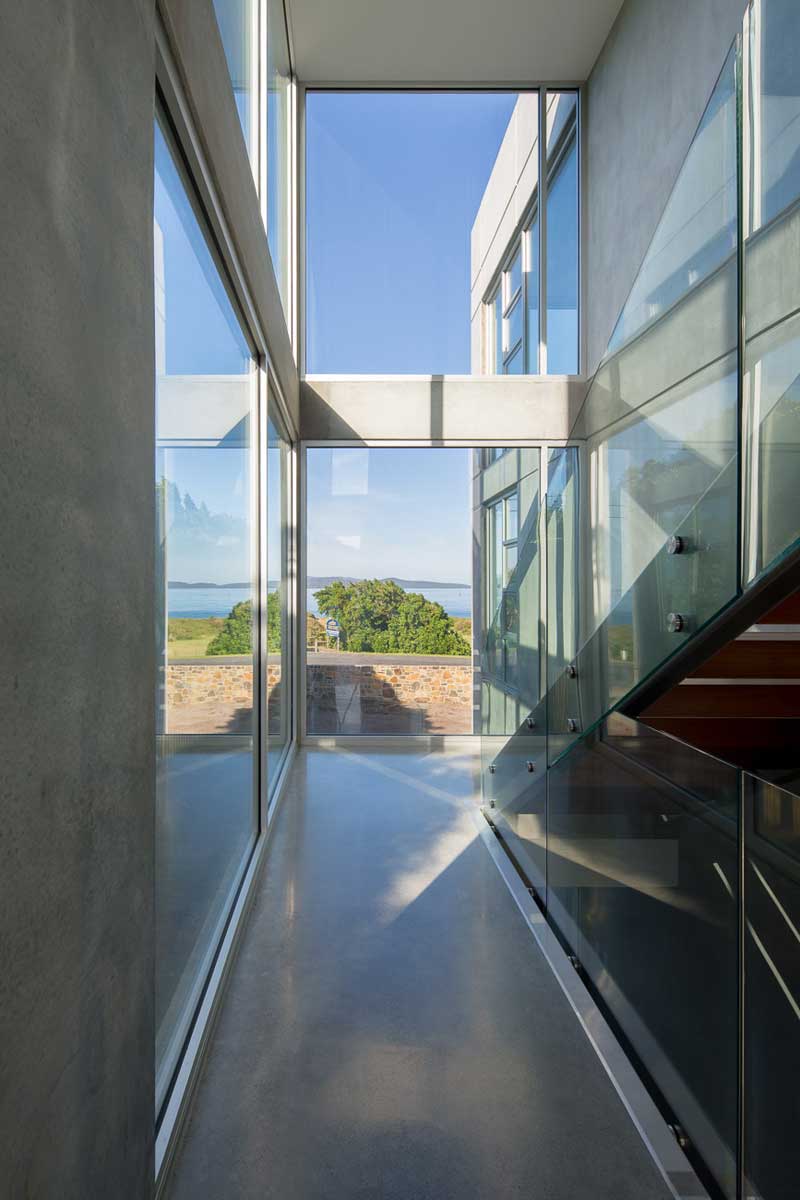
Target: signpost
[332, 628]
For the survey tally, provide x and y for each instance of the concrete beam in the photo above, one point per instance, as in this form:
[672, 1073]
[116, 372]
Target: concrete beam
[435, 408]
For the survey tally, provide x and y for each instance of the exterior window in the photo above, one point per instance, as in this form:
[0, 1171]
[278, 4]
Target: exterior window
[520, 327]
[508, 306]
[532, 297]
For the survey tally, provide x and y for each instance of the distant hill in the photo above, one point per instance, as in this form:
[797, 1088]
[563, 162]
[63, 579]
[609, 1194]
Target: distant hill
[176, 583]
[320, 581]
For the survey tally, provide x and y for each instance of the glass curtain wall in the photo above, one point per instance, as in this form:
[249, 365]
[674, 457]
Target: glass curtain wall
[207, 714]
[631, 839]
[278, 608]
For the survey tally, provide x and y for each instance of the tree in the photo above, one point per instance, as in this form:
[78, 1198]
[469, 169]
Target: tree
[236, 635]
[422, 626]
[363, 610]
[377, 615]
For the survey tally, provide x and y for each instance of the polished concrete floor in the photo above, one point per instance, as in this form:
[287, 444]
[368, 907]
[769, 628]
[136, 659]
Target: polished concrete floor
[390, 1028]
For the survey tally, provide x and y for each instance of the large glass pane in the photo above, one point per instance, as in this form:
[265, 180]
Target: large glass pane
[278, 617]
[697, 232]
[563, 595]
[642, 884]
[772, 989]
[562, 233]
[658, 468]
[389, 591]
[278, 157]
[507, 491]
[771, 432]
[238, 27]
[206, 815]
[405, 227]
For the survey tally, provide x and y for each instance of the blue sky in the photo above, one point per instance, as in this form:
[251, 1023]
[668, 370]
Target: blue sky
[374, 513]
[394, 181]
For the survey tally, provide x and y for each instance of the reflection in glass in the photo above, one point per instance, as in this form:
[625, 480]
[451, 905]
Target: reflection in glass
[206, 817]
[642, 880]
[772, 988]
[278, 616]
[389, 591]
[514, 327]
[514, 276]
[697, 232]
[562, 233]
[278, 133]
[238, 27]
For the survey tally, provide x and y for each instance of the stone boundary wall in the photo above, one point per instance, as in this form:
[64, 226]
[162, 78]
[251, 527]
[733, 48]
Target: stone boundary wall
[386, 687]
[383, 687]
[199, 683]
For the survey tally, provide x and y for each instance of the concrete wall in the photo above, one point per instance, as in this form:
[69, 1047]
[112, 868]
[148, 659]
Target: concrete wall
[642, 104]
[76, 547]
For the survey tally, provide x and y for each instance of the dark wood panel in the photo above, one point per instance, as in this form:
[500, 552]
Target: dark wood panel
[759, 701]
[785, 613]
[752, 660]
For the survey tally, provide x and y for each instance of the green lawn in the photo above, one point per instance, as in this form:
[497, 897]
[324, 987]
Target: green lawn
[188, 637]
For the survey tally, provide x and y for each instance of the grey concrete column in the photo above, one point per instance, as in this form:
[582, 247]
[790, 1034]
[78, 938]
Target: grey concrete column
[76, 598]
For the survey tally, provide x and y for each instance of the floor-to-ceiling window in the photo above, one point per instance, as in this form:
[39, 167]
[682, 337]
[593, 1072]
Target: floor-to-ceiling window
[206, 487]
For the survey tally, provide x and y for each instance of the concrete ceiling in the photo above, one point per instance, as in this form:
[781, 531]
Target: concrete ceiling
[448, 41]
